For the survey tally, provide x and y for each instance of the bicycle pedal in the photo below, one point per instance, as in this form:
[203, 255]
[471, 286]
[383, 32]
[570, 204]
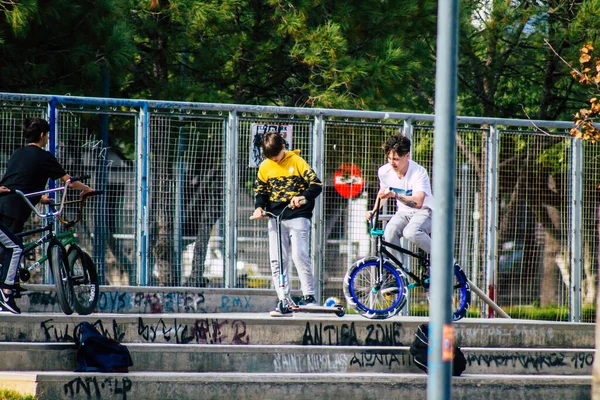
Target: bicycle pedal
[426, 283]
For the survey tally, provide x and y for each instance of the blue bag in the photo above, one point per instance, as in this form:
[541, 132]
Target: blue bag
[98, 353]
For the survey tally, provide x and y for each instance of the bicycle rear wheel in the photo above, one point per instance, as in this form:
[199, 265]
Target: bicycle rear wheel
[59, 264]
[86, 289]
[373, 298]
[461, 296]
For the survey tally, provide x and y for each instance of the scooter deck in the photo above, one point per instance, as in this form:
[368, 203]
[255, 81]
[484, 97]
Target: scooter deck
[316, 309]
[337, 310]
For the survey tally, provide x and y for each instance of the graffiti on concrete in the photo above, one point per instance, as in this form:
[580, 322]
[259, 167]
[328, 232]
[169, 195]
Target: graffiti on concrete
[295, 363]
[60, 333]
[202, 331]
[92, 387]
[345, 335]
[152, 303]
[534, 361]
[369, 359]
[235, 303]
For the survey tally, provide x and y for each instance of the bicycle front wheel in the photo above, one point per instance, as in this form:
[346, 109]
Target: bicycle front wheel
[84, 278]
[374, 296]
[59, 264]
[461, 296]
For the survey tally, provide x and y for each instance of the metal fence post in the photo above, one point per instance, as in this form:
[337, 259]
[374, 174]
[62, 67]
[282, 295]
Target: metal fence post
[53, 147]
[231, 198]
[491, 251]
[141, 231]
[407, 130]
[317, 233]
[576, 240]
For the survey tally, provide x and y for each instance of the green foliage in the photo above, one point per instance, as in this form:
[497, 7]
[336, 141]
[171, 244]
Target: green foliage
[62, 46]
[509, 57]
[6, 394]
[552, 313]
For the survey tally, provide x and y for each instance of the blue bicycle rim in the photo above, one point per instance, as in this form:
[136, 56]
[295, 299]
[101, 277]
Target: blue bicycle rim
[458, 314]
[396, 276]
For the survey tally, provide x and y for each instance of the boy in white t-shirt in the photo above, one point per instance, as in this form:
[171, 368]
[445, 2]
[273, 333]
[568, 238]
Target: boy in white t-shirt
[408, 183]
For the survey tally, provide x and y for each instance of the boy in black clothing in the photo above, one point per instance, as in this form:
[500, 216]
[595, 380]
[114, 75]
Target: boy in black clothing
[28, 170]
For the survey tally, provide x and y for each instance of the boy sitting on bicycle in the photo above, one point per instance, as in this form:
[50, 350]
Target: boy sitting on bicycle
[28, 170]
[408, 183]
[286, 178]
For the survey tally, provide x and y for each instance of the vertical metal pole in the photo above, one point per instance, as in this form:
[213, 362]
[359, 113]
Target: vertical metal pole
[178, 217]
[100, 228]
[141, 228]
[576, 241]
[491, 220]
[407, 130]
[317, 245]
[231, 198]
[475, 263]
[464, 219]
[441, 349]
[53, 148]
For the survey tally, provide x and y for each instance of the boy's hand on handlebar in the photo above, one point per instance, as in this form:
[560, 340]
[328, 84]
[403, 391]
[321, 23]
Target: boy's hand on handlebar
[85, 191]
[386, 193]
[259, 213]
[45, 199]
[297, 201]
[4, 189]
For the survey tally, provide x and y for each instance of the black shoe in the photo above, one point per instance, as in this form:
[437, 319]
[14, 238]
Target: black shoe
[308, 301]
[7, 301]
[281, 311]
[19, 291]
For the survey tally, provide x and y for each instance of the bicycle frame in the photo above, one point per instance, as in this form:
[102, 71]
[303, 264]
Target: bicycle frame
[382, 246]
[66, 238]
[53, 214]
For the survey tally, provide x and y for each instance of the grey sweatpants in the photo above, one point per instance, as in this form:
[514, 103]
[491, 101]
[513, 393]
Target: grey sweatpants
[415, 226]
[295, 235]
[10, 256]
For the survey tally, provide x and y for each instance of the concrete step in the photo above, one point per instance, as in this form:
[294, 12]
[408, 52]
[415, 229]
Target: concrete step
[301, 329]
[159, 300]
[349, 386]
[298, 359]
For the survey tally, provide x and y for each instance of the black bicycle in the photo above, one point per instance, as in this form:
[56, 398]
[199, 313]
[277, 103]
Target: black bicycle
[73, 271]
[377, 287]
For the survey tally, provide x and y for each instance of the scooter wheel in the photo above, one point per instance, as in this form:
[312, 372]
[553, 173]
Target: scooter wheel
[340, 312]
[24, 274]
[283, 308]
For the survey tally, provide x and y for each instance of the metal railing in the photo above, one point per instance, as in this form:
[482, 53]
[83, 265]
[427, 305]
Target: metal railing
[178, 186]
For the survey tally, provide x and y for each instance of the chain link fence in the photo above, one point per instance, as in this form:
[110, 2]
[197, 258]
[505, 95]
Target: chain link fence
[178, 181]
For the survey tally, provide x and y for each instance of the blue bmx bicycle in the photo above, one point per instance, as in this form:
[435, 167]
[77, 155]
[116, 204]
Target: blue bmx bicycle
[377, 287]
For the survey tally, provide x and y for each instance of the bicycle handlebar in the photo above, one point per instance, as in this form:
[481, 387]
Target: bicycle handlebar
[55, 212]
[268, 213]
[81, 202]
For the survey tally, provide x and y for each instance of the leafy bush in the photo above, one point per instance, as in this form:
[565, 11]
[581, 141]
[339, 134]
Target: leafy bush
[7, 394]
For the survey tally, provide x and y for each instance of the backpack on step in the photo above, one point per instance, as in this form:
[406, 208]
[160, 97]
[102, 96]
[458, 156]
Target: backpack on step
[418, 350]
[99, 353]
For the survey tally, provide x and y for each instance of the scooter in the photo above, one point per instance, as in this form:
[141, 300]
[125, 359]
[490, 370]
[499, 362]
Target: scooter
[286, 304]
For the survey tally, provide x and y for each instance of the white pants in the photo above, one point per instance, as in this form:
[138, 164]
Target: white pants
[295, 234]
[415, 226]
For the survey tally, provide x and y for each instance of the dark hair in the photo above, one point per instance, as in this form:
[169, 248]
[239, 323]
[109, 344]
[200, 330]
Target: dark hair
[398, 143]
[272, 144]
[33, 129]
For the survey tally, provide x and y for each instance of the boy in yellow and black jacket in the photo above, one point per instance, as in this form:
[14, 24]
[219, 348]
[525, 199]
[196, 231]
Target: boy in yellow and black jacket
[284, 178]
